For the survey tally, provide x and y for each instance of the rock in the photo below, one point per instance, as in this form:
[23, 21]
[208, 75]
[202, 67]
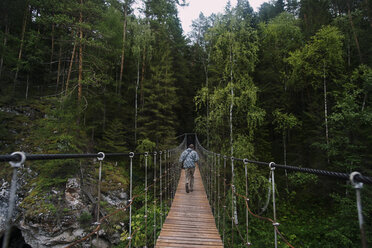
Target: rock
[115, 238]
[36, 238]
[79, 233]
[59, 225]
[123, 196]
[72, 193]
[116, 198]
[5, 194]
[100, 243]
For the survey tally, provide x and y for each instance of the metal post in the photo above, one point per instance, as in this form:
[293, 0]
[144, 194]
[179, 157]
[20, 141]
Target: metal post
[146, 155]
[12, 195]
[154, 198]
[209, 178]
[215, 183]
[247, 199]
[131, 155]
[166, 181]
[212, 183]
[172, 176]
[224, 198]
[218, 191]
[161, 189]
[232, 201]
[207, 175]
[169, 179]
[275, 224]
[100, 158]
[358, 186]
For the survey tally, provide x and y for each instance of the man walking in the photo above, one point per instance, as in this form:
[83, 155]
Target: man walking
[189, 159]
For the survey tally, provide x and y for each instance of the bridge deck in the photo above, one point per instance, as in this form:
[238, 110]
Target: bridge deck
[190, 222]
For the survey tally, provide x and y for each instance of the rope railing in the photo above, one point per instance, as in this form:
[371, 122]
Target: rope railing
[212, 178]
[166, 166]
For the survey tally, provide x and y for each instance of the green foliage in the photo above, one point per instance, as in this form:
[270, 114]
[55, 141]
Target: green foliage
[114, 137]
[321, 57]
[348, 120]
[145, 145]
[143, 230]
[85, 219]
[58, 131]
[232, 62]
[285, 121]
[117, 173]
[300, 179]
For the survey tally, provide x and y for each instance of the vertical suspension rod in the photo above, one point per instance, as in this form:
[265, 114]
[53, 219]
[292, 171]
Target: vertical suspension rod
[275, 224]
[218, 191]
[146, 156]
[131, 155]
[161, 189]
[247, 199]
[224, 199]
[232, 201]
[358, 186]
[154, 198]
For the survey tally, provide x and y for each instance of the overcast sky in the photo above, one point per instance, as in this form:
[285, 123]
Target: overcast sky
[191, 12]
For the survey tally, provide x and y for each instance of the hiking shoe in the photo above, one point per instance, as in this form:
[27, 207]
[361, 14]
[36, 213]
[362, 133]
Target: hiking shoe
[187, 188]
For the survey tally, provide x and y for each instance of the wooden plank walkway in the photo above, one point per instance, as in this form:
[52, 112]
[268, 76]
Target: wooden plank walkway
[190, 222]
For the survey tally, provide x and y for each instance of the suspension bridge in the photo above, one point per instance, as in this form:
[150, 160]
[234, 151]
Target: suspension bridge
[196, 219]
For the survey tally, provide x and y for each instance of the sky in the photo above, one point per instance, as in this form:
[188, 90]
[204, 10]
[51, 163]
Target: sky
[191, 12]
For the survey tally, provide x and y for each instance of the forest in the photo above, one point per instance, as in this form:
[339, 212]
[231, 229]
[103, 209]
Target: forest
[290, 83]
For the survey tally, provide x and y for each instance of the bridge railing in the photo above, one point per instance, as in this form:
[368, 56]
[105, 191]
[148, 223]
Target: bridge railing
[165, 175]
[221, 190]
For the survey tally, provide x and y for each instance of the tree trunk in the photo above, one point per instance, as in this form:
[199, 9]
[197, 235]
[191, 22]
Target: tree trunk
[70, 67]
[364, 100]
[22, 41]
[142, 102]
[27, 85]
[285, 148]
[63, 73]
[231, 129]
[285, 156]
[80, 90]
[59, 67]
[4, 44]
[207, 100]
[325, 108]
[52, 48]
[104, 110]
[136, 102]
[205, 65]
[348, 53]
[354, 33]
[123, 47]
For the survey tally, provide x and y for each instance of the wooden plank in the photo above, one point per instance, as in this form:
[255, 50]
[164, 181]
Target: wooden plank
[174, 245]
[190, 222]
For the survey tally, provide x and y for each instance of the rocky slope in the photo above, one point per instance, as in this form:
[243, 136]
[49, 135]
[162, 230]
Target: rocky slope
[61, 216]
